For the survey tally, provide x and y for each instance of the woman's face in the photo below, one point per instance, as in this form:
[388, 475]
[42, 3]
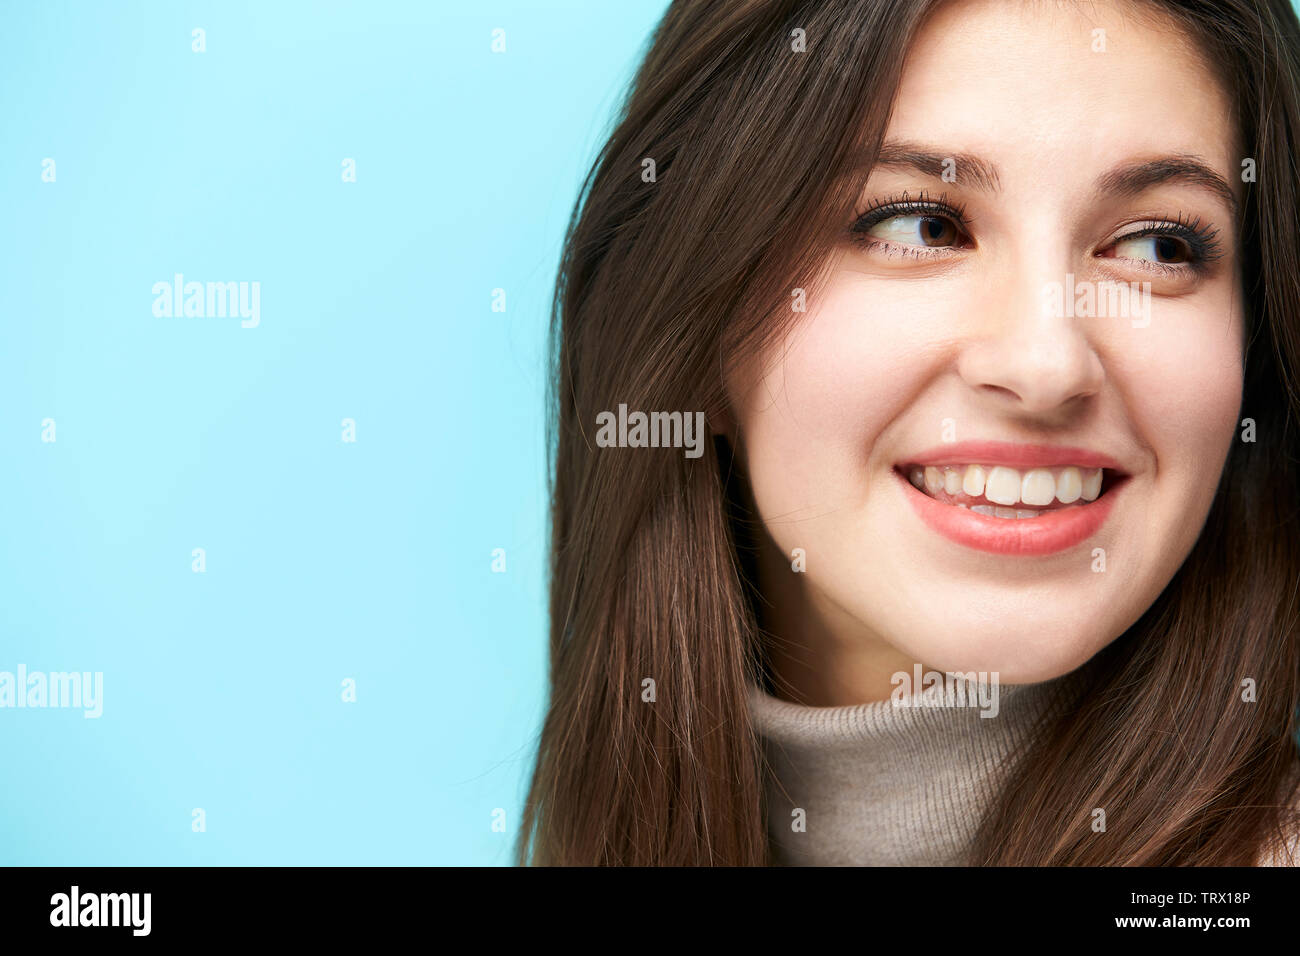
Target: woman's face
[988, 332]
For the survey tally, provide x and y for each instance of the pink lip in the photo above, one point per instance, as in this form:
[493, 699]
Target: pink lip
[1051, 532]
[1012, 455]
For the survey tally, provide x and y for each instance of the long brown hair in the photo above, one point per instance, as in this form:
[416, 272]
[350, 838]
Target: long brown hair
[720, 189]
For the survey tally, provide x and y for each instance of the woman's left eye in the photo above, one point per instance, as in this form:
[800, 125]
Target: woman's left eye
[917, 230]
[1163, 249]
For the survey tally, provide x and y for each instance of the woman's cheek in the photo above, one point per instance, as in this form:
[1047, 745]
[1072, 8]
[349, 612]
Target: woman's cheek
[861, 356]
[1182, 383]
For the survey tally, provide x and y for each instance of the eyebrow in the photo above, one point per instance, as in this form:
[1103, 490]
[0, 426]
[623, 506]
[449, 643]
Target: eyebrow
[970, 169]
[1128, 180]
[1180, 170]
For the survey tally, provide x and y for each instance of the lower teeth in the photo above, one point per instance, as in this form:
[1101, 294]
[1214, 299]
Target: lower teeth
[1000, 512]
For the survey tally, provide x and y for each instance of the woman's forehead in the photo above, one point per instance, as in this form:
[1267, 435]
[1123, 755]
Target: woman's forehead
[1045, 85]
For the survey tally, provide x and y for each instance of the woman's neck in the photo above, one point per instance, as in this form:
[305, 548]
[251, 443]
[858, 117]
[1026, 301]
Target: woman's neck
[819, 655]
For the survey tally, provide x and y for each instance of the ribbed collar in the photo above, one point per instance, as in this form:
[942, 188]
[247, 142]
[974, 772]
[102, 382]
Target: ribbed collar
[887, 785]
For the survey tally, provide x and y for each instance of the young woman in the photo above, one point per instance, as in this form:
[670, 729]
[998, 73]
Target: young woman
[993, 312]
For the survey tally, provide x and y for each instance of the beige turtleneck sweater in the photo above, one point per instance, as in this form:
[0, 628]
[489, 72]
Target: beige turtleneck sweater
[884, 785]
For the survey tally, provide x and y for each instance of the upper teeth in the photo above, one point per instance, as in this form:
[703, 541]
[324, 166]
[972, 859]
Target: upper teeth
[1008, 486]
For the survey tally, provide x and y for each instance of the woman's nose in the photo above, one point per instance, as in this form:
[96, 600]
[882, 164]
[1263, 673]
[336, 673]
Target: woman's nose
[1026, 356]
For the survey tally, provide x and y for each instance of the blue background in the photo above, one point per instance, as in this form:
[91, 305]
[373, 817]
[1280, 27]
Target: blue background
[325, 560]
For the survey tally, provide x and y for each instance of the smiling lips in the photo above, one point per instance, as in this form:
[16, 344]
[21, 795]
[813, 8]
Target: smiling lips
[1012, 499]
[995, 489]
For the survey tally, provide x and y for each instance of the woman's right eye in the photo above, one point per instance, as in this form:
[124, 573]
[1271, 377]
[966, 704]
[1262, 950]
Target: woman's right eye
[1162, 249]
[931, 230]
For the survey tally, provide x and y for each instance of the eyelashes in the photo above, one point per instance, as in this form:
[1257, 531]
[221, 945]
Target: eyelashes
[922, 208]
[1201, 242]
[944, 229]
[926, 211]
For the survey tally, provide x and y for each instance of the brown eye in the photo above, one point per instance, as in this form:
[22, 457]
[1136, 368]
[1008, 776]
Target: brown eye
[912, 230]
[1163, 249]
[938, 232]
[1169, 249]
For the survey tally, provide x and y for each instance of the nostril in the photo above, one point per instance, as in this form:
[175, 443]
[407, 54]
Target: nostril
[1001, 391]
